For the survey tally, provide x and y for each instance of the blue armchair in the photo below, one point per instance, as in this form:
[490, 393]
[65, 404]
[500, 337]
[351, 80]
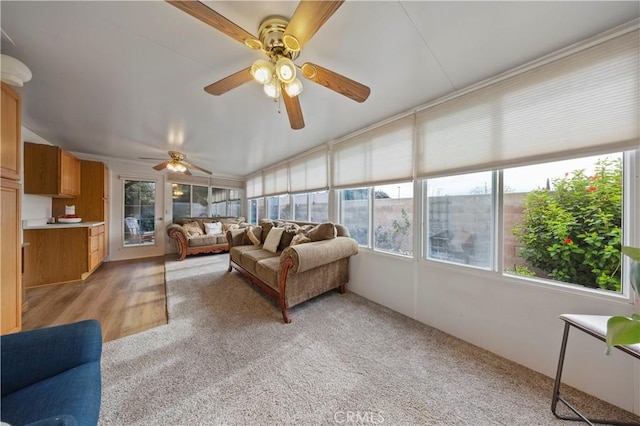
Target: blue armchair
[51, 376]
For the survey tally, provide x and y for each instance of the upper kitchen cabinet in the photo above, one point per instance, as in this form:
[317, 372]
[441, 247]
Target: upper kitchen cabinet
[10, 128]
[50, 170]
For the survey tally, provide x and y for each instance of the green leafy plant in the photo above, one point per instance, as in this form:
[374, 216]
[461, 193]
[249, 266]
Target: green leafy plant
[573, 231]
[622, 330]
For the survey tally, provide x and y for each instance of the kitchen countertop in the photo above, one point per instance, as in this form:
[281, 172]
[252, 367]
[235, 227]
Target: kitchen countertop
[64, 225]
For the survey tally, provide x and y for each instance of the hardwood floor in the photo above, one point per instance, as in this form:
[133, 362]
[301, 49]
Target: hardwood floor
[127, 297]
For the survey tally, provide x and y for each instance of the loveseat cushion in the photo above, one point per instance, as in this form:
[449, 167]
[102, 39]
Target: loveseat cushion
[206, 240]
[267, 271]
[236, 252]
[250, 258]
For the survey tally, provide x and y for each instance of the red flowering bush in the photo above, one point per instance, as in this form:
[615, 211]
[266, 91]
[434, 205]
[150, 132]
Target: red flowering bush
[572, 232]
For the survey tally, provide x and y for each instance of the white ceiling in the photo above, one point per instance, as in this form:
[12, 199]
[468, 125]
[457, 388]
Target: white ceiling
[125, 79]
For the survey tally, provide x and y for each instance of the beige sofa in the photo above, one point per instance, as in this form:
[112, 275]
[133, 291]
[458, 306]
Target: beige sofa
[297, 272]
[192, 237]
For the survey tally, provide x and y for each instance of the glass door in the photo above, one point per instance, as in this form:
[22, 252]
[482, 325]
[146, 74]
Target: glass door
[139, 212]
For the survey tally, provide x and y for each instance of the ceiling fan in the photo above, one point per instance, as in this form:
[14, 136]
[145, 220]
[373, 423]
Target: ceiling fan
[280, 40]
[176, 164]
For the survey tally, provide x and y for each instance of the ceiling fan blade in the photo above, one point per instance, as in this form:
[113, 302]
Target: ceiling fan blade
[161, 165]
[150, 158]
[336, 82]
[187, 172]
[230, 82]
[188, 164]
[309, 17]
[214, 19]
[293, 111]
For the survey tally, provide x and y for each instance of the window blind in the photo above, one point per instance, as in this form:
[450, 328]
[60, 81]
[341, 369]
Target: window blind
[383, 154]
[585, 102]
[276, 179]
[309, 172]
[253, 185]
[218, 195]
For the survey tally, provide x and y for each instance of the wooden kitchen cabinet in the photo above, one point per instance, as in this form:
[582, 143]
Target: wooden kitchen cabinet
[11, 258]
[61, 254]
[11, 214]
[50, 170]
[93, 203]
[10, 160]
[96, 246]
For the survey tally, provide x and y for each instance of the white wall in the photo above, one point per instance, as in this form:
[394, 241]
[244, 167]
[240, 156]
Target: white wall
[509, 317]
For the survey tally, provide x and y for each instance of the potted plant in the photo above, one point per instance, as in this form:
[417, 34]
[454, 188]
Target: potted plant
[622, 330]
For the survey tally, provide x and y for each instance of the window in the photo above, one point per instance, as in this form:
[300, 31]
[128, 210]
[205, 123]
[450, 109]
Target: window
[272, 204]
[253, 212]
[181, 200]
[189, 200]
[393, 218]
[460, 215]
[319, 206]
[311, 207]
[279, 207]
[260, 211]
[284, 207]
[354, 213]
[301, 207]
[563, 221]
[218, 202]
[139, 212]
[199, 201]
[234, 208]
[195, 201]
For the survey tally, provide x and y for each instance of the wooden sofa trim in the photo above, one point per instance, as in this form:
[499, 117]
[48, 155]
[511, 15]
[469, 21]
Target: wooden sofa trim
[184, 249]
[278, 296]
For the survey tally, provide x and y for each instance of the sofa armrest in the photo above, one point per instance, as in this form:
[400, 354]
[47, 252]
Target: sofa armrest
[32, 356]
[311, 255]
[177, 231]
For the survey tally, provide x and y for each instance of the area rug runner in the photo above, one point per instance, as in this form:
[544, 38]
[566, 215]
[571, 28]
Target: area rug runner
[226, 358]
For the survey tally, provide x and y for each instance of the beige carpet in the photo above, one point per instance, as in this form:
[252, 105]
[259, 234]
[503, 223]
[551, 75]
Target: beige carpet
[226, 358]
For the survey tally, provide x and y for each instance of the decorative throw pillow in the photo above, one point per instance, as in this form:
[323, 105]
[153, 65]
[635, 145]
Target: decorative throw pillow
[192, 229]
[323, 231]
[299, 239]
[213, 228]
[266, 227]
[273, 239]
[227, 226]
[249, 230]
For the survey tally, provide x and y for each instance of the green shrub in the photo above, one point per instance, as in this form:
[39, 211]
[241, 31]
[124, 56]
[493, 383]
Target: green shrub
[573, 231]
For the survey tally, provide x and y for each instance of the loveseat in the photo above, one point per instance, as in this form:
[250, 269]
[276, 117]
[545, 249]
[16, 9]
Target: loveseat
[51, 376]
[306, 260]
[195, 235]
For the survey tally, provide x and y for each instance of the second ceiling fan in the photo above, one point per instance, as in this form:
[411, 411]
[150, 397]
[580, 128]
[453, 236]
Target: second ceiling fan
[281, 41]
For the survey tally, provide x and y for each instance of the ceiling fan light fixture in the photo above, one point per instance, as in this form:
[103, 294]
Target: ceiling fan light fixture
[285, 70]
[272, 89]
[253, 43]
[262, 71]
[294, 88]
[176, 167]
[291, 42]
[14, 71]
